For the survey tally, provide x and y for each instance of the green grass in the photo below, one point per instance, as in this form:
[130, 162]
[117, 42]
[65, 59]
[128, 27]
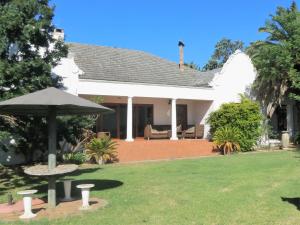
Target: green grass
[256, 188]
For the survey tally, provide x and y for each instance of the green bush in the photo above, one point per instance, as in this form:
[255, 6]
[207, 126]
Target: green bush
[227, 139]
[74, 157]
[245, 117]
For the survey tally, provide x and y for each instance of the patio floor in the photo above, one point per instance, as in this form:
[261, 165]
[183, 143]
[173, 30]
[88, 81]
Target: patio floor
[144, 150]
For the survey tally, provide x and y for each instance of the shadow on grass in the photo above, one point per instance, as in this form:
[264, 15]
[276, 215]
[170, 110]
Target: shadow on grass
[81, 171]
[294, 201]
[14, 177]
[99, 186]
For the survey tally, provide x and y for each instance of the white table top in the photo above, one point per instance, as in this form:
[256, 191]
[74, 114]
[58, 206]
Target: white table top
[27, 192]
[82, 186]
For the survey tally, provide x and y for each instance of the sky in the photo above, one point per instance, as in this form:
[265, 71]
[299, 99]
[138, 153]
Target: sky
[156, 26]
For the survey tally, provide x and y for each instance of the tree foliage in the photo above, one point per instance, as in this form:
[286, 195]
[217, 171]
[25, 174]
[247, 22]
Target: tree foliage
[192, 65]
[245, 118]
[27, 54]
[277, 59]
[223, 49]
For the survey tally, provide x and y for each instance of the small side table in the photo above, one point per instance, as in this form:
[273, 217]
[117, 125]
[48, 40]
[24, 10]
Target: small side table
[67, 190]
[27, 200]
[85, 192]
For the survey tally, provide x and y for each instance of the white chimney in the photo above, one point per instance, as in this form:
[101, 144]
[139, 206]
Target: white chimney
[181, 61]
[58, 34]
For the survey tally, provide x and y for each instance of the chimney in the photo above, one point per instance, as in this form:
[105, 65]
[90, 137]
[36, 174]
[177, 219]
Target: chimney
[181, 61]
[58, 34]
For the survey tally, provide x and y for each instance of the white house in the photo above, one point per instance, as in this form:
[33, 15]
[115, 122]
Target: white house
[146, 89]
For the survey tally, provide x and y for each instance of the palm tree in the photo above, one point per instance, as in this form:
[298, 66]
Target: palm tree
[277, 59]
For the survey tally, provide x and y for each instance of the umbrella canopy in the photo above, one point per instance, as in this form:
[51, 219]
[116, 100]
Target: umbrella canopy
[39, 103]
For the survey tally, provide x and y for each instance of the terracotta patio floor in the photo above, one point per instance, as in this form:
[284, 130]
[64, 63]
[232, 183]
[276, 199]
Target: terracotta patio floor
[144, 150]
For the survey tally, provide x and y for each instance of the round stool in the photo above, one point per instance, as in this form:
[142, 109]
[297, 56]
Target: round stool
[67, 190]
[85, 192]
[27, 199]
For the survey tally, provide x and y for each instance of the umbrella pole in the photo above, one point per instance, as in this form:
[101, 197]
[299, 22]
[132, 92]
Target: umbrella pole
[52, 156]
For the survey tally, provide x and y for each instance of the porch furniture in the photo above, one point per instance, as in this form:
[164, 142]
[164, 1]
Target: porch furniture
[85, 193]
[103, 134]
[27, 199]
[196, 131]
[150, 133]
[67, 190]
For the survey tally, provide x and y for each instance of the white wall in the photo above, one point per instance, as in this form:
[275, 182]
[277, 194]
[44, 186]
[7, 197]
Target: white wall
[104, 88]
[235, 78]
[69, 71]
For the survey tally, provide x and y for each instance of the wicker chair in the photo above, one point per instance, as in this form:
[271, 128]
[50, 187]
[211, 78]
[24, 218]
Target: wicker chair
[194, 132]
[150, 133]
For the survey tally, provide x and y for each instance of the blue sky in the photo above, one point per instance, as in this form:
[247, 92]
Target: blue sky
[156, 26]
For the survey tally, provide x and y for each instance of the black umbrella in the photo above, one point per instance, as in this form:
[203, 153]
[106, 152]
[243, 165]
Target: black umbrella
[51, 102]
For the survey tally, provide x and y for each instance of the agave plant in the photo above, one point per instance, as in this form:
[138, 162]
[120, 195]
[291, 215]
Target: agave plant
[101, 150]
[227, 139]
[72, 153]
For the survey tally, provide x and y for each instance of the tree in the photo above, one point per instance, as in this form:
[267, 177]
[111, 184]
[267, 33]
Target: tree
[27, 54]
[223, 49]
[277, 59]
[192, 65]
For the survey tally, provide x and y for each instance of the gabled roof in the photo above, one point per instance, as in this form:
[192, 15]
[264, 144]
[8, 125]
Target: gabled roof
[124, 65]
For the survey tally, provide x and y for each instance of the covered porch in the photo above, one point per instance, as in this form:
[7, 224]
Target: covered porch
[133, 114]
[136, 105]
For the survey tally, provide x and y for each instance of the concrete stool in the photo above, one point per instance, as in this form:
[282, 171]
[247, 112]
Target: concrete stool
[85, 192]
[67, 190]
[27, 203]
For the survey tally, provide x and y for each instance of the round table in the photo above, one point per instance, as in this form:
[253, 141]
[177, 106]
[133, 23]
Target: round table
[43, 171]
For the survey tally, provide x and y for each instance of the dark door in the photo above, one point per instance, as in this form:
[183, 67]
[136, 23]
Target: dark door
[142, 115]
[181, 116]
[115, 122]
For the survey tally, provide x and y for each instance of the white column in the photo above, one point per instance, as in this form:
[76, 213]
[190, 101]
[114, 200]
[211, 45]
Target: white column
[174, 121]
[129, 120]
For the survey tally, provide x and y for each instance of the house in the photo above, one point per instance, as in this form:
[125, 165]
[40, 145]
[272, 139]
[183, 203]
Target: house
[146, 89]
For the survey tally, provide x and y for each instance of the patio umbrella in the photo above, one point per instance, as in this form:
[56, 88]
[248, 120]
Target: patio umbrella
[51, 102]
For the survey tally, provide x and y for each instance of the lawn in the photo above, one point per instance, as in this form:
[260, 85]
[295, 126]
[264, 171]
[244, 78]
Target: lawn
[255, 188]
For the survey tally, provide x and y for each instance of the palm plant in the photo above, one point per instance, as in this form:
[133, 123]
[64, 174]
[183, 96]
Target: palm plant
[277, 59]
[227, 139]
[101, 150]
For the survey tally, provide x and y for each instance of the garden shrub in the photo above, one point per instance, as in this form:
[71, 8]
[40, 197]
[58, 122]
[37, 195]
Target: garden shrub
[245, 117]
[227, 139]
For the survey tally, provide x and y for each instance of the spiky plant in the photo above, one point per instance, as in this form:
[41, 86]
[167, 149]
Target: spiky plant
[227, 139]
[102, 150]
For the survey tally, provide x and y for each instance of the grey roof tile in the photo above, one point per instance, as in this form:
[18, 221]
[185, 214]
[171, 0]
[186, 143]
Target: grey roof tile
[124, 65]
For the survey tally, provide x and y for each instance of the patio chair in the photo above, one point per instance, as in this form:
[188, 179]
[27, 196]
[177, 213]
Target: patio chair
[196, 131]
[150, 133]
